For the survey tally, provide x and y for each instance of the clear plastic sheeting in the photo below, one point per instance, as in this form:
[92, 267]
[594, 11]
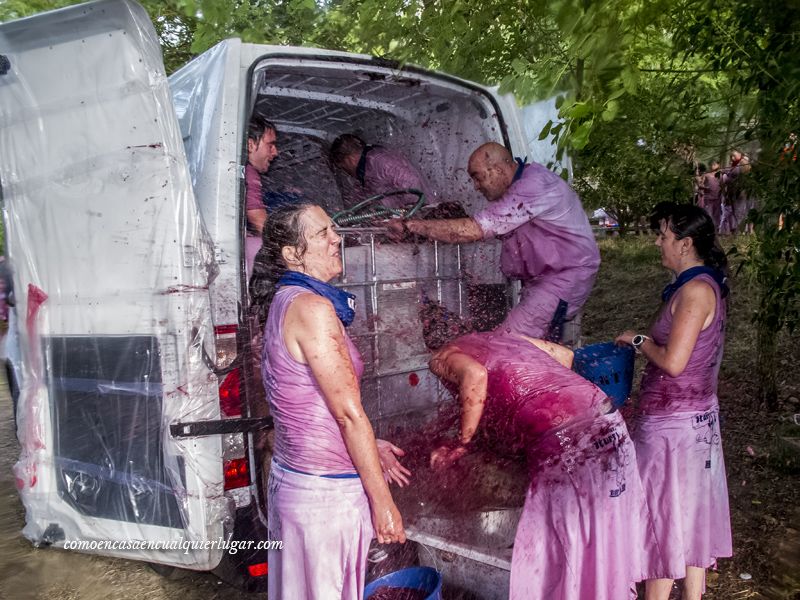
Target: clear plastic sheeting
[533, 118]
[112, 267]
[207, 103]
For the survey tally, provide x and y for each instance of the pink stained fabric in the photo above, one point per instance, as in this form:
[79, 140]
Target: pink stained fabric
[326, 529]
[547, 243]
[727, 220]
[736, 195]
[681, 463]
[387, 170]
[696, 387]
[253, 201]
[711, 195]
[582, 526]
[307, 437]
[683, 473]
[253, 188]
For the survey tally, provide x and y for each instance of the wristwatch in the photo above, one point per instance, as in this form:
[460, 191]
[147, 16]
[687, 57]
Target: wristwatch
[637, 342]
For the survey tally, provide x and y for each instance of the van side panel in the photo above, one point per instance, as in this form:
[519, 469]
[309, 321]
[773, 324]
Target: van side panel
[112, 266]
[206, 93]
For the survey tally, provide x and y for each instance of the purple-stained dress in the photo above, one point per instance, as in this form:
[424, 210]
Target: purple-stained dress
[324, 523]
[547, 243]
[711, 196]
[678, 445]
[582, 527]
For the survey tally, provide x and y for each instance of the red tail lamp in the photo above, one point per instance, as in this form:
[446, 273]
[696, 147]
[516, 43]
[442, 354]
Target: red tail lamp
[258, 569]
[237, 473]
[230, 402]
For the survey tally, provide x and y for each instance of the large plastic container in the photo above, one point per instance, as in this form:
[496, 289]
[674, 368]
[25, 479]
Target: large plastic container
[416, 578]
[609, 367]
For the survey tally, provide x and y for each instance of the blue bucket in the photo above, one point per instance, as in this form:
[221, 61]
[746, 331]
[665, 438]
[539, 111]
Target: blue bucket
[609, 367]
[416, 578]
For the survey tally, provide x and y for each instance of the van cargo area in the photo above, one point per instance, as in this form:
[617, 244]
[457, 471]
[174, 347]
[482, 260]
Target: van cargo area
[437, 122]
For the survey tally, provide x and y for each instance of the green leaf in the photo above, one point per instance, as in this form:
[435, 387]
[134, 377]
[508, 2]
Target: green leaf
[519, 66]
[545, 130]
[577, 110]
[580, 138]
[610, 113]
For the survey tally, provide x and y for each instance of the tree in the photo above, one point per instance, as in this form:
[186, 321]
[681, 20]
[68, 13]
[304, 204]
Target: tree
[755, 44]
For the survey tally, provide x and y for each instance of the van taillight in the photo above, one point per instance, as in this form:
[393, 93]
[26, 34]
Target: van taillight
[237, 473]
[230, 400]
[258, 569]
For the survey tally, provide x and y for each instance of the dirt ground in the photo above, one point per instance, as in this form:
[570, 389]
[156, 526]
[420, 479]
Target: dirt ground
[763, 472]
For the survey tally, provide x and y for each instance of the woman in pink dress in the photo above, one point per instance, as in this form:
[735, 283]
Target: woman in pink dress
[327, 490]
[581, 530]
[677, 433]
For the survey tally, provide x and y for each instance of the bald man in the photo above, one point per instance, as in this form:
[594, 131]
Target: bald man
[547, 241]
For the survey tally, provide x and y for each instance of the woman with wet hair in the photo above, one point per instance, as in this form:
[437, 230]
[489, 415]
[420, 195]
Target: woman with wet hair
[581, 530]
[327, 491]
[677, 432]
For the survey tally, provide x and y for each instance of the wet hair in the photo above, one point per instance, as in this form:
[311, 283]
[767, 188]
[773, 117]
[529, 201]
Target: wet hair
[345, 145]
[689, 220]
[257, 127]
[283, 228]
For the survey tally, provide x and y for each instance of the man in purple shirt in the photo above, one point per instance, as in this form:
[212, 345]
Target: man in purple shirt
[547, 241]
[261, 150]
[378, 170]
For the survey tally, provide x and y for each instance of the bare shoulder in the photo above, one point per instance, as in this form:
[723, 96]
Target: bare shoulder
[697, 290]
[695, 296]
[312, 310]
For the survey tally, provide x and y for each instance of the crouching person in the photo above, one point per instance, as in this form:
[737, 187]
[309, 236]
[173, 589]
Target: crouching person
[582, 527]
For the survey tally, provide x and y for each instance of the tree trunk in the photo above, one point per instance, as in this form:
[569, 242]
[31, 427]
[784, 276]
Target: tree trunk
[767, 367]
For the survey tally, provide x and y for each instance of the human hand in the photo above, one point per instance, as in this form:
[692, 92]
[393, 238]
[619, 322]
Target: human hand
[391, 467]
[388, 523]
[626, 337]
[396, 229]
[445, 456]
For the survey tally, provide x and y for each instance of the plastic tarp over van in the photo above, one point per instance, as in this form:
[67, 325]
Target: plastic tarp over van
[112, 268]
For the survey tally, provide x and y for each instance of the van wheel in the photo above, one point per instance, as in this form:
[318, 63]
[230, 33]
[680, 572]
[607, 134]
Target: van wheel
[169, 572]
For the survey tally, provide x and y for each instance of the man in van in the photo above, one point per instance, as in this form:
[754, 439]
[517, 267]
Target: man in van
[547, 241]
[377, 170]
[261, 150]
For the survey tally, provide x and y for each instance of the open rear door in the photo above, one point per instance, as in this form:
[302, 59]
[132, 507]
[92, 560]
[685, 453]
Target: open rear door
[112, 267]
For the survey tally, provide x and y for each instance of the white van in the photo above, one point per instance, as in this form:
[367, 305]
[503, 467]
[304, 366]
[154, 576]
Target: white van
[123, 196]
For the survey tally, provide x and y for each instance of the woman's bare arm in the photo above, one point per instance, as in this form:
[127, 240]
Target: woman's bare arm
[693, 311]
[312, 326]
[472, 380]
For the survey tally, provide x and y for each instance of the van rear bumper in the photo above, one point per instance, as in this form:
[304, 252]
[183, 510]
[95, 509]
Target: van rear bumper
[233, 568]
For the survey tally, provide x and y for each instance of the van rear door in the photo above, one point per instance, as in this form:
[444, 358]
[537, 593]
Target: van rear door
[112, 267]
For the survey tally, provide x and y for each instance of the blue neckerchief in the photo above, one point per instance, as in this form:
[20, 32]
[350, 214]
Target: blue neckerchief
[690, 274]
[521, 162]
[343, 302]
[361, 169]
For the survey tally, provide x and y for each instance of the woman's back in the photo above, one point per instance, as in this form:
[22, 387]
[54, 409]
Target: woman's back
[529, 393]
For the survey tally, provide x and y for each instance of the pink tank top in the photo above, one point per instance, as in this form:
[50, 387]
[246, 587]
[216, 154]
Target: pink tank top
[307, 437]
[696, 388]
